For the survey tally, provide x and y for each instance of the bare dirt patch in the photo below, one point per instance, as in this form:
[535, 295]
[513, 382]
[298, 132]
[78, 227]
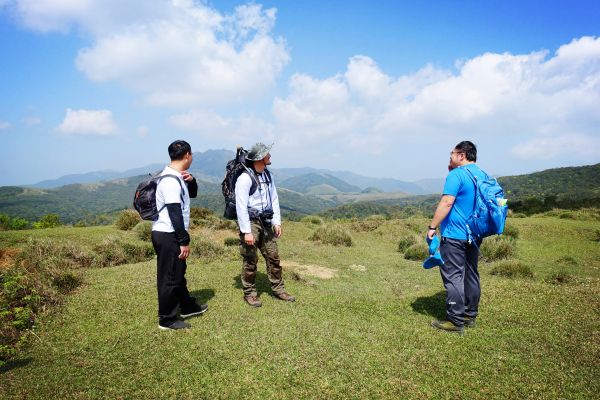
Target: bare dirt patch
[309, 269]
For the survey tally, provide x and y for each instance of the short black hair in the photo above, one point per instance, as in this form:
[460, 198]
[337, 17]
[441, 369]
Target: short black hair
[178, 149]
[468, 148]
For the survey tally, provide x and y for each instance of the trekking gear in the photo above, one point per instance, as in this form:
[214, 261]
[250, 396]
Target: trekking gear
[233, 170]
[253, 301]
[258, 152]
[194, 310]
[285, 296]
[144, 200]
[489, 211]
[435, 258]
[447, 326]
[175, 325]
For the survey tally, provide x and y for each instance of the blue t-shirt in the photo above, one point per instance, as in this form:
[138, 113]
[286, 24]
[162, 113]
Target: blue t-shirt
[460, 185]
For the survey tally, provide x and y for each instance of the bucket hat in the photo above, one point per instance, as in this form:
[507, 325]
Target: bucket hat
[435, 258]
[258, 152]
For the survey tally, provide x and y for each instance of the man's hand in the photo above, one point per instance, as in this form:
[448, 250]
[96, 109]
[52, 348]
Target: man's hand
[249, 239]
[431, 234]
[186, 176]
[184, 252]
[278, 231]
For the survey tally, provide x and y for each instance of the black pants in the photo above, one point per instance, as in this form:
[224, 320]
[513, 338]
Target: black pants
[170, 278]
[461, 279]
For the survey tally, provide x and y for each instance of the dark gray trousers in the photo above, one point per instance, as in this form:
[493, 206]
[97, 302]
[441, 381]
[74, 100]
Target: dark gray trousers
[461, 279]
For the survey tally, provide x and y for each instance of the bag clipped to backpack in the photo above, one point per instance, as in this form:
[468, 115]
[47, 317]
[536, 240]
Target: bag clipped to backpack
[233, 170]
[490, 209]
[144, 200]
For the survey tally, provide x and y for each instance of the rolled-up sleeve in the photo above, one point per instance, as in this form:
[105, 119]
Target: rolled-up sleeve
[242, 194]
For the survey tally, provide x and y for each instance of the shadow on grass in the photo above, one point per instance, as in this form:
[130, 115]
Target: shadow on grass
[15, 364]
[203, 296]
[434, 305]
[262, 283]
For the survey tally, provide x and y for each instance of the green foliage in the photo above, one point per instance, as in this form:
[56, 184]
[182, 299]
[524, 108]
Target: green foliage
[12, 224]
[405, 242]
[369, 224]
[417, 252]
[231, 241]
[559, 278]
[495, 248]
[143, 231]
[511, 231]
[312, 219]
[207, 250]
[47, 221]
[127, 219]
[332, 234]
[114, 251]
[201, 213]
[511, 269]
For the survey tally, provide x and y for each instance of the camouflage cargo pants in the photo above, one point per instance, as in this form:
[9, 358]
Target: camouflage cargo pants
[264, 240]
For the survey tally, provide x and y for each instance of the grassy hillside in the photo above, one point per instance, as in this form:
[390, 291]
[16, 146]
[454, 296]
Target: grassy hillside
[360, 328]
[306, 183]
[565, 183]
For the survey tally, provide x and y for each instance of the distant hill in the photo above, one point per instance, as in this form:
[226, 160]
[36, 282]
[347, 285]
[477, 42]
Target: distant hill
[569, 182]
[312, 182]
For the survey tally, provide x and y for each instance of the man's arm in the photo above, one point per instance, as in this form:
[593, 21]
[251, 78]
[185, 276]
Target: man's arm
[242, 196]
[182, 236]
[276, 210]
[441, 212]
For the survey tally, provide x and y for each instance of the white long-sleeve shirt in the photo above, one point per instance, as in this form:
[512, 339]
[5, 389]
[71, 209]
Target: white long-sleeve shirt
[264, 198]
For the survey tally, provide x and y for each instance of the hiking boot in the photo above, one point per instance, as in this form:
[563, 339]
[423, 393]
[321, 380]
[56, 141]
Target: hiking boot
[284, 296]
[172, 326]
[469, 322]
[253, 301]
[447, 326]
[195, 310]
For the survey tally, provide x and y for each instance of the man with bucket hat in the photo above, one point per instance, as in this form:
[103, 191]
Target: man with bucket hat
[259, 220]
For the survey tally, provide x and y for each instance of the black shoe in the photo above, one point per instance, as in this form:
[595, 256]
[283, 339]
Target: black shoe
[447, 326]
[469, 322]
[174, 326]
[195, 310]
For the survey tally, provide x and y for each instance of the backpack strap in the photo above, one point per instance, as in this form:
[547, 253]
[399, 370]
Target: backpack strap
[181, 195]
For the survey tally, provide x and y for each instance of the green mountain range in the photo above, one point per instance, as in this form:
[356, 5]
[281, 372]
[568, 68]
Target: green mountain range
[308, 193]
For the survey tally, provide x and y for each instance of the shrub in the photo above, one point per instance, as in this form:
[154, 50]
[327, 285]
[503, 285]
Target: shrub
[213, 222]
[559, 278]
[567, 261]
[417, 252]
[143, 231]
[334, 235]
[369, 224]
[232, 241]
[67, 281]
[127, 219]
[511, 231]
[113, 251]
[496, 248]
[206, 249]
[201, 213]
[312, 219]
[405, 242]
[511, 269]
[596, 236]
[47, 221]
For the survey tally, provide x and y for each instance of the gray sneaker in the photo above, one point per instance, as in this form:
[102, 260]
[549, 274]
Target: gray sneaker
[196, 310]
[174, 326]
[447, 326]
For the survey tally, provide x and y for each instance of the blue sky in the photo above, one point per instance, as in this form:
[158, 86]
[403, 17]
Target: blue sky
[382, 88]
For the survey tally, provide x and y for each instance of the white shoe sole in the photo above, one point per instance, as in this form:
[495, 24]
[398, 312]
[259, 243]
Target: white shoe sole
[194, 313]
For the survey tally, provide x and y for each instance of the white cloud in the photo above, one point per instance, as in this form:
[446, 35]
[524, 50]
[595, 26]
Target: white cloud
[228, 131]
[142, 131]
[174, 53]
[544, 102]
[88, 122]
[4, 125]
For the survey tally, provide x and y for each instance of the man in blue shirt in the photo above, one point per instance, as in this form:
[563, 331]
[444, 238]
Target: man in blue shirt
[459, 272]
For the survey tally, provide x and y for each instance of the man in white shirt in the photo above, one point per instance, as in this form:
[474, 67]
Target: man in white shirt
[259, 219]
[171, 240]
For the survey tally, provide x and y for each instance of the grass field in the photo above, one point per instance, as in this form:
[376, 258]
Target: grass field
[359, 329]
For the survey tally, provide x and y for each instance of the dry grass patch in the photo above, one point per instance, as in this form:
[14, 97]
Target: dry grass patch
[308, 269]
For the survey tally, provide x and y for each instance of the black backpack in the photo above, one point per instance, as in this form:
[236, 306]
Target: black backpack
[233, 170]
[144, 200]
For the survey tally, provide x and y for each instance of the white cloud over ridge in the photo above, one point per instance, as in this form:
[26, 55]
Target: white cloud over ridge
[88, 122]
[4, 125]
[174, 53]
[544, 103]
